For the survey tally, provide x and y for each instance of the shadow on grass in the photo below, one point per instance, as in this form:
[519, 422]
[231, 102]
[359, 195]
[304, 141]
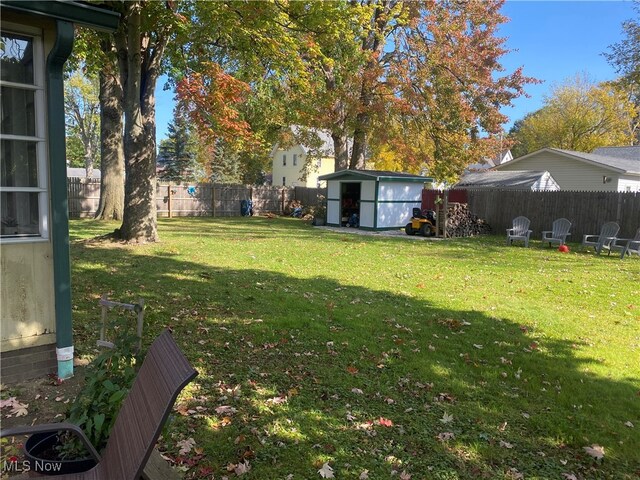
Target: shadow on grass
[287, 354]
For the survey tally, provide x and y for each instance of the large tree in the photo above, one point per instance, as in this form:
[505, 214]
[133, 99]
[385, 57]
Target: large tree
[82, 115]
[148, 26]
[417, 80]
[578, 115]
[625, 57]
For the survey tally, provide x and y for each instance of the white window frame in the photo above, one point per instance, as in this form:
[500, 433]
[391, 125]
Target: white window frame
[284, 160]
[295, 160]
[40, 138]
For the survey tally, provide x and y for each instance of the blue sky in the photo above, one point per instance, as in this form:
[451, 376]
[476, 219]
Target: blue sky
[552, 40]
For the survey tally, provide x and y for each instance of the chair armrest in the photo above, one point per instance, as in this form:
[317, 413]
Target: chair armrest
[585, 237]
[546, 231]
[52, 427]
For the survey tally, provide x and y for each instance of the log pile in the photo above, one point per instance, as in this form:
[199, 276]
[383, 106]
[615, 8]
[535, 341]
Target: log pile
[462, 223]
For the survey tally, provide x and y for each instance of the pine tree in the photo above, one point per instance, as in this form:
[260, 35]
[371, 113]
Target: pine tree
[177, 153]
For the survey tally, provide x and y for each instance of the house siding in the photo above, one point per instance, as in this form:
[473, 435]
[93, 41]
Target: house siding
[27, 299]
[570, 174]
[293, 173]
[629, 183]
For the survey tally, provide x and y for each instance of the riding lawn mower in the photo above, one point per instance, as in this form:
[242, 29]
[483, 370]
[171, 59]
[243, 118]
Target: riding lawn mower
[422, 222]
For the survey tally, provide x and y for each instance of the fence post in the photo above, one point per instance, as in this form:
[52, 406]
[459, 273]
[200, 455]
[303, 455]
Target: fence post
[169, 199]
[213, 199]
[282, 202]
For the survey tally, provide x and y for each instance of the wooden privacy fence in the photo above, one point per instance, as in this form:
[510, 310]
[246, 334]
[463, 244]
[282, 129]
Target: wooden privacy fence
[202, 199]
[586, 211]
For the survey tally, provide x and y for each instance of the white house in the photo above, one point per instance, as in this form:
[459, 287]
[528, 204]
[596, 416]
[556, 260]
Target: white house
[499, 159]
[606, 169]
[300, 163]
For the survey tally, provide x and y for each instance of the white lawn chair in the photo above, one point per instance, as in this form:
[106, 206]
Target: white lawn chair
[558, 233]
[519, 231]
[604, 240]
[627, 246]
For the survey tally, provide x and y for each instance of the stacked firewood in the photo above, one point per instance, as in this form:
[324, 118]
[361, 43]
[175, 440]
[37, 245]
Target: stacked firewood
[462, 223]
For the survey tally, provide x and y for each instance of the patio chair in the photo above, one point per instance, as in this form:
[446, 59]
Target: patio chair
[558, 233]
[604, 239]
[627, 246]
[519, 231]
[162, 376]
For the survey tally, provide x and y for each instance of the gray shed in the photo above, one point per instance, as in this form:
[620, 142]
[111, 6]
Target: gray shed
[380, 200]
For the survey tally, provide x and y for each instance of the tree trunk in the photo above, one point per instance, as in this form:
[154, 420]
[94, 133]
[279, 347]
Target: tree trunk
[340, 151]
[139, 223]
[111, 204]
[357, 160]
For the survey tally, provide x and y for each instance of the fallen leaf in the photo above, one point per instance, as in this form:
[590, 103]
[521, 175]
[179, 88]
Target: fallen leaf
[444, 436]
[357, 390]
[569, 476]
[504, 444]
[405, 476]
[225, 410]
[479, 347]
[242, 468]
[352, 370]
[628, 424]
[326, 471]
[446, 418]
[186, 445]
[364, 475]
[385, 422]
[595, 451]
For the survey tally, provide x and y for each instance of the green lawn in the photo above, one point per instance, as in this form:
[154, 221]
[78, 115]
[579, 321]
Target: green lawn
[437, 359]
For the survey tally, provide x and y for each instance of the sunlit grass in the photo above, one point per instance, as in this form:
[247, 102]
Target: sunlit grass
[314, 336]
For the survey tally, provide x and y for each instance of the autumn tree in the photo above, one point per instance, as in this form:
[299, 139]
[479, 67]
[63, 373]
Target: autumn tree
[578, 115]
[423, 83]
[82, 118]
[625, 57]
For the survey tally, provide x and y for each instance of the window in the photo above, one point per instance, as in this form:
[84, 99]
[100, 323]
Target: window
[295, 159]
[23, 180]
[284, 181]
[284, 160]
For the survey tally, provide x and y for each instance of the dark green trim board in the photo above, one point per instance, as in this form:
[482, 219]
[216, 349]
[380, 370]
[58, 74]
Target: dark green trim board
[98, 18]
[375, 204]
[58, 186]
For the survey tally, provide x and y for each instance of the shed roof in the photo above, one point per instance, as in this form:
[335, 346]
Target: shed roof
[376, 175]
[516, 179]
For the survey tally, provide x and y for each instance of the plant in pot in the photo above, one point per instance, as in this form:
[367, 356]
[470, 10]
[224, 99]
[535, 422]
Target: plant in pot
[107, 380]
[320, 212]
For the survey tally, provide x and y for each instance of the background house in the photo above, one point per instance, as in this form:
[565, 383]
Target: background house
[307, 156]
[485, 164]
[74, 172]
[35, 293]
[606, 169]
[510, 180]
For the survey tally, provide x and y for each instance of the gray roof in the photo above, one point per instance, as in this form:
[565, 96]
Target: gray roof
[625, 165]
[631, 153]
[517, 180]
[376, 175]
